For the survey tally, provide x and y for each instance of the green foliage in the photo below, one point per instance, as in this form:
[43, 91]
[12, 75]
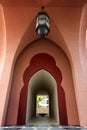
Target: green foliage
[39, 98]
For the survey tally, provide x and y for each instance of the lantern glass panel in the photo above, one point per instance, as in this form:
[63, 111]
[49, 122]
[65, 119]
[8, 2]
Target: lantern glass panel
[42, 21]
[42, 24]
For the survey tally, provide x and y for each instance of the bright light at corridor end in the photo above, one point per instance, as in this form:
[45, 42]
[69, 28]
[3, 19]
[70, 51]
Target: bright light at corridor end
[42, 24]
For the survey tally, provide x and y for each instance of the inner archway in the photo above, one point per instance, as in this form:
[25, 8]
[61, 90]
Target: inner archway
[42, 82]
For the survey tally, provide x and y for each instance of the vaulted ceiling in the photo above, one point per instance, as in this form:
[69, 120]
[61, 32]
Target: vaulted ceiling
[60, 3]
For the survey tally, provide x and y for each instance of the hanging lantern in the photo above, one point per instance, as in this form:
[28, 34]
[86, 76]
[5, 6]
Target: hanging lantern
[42, 24]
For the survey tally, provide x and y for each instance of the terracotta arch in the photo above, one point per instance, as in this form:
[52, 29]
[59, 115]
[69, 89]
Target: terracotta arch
[30, 36]
[46, 62]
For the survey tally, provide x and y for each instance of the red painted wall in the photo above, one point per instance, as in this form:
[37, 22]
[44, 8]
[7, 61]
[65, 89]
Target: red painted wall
[38, 62]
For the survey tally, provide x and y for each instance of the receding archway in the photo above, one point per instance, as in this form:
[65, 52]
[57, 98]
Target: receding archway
[42, 81]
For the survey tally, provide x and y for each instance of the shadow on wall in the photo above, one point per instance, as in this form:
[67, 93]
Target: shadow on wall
[38, 62]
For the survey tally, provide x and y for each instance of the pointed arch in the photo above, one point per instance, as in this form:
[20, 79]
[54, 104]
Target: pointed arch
[36, 64]
[42, 81]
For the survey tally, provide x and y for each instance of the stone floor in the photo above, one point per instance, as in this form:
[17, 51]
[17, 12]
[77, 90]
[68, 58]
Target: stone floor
[43, 123]
[46, 120]
[43, 128]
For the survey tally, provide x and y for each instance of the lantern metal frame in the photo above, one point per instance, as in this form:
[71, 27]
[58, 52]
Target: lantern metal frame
[42, 24]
